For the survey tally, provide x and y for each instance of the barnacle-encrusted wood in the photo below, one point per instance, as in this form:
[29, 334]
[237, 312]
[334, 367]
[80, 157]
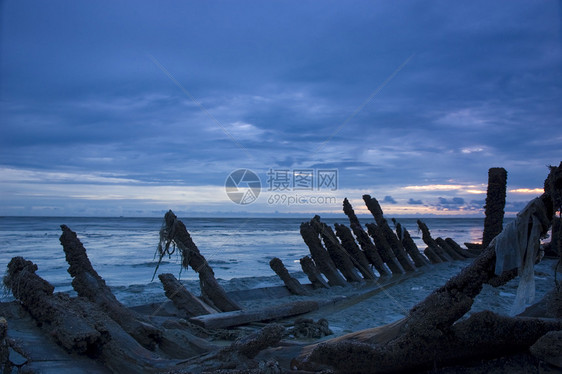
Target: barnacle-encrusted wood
[430, 335]
[174, 233]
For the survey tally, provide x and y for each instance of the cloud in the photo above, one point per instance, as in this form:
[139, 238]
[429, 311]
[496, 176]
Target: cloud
[81, 98]
[450, 204]
[453, 201]
[414, 202]
[389, 200]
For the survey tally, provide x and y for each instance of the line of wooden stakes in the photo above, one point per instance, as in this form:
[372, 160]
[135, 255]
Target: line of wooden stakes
[353, 254]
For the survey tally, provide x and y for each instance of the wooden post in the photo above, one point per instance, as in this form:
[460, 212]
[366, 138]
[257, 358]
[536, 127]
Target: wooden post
[350, 213]
[432, 256]
[79, 325]
[348, 243]
[431, 243]
[430, 336]
[370, 250]
[453, 244]
[184, 300]
[87, 283]
[312, 273]
[364, 241]
[174, 231]
[321, 258]
[384, 249]
[341, 258]
[495, 204]
[450, 251]
[396, 245]
[291, 283]
[410, 246]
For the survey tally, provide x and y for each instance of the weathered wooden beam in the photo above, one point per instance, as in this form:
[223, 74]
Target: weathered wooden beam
[487, 334]
[384, 249]
[312, 273]
[253, 344]
[242, 317]
[341, 258]
[495, 204]
[453, 244]
[320, 256]
[431, 243]
[348, 243]
[450, 251]
[77, 324]
[87, 283]
[396, 245]
[432, 256]
[291, 283]
[364, 241]
[350, 213]
[430, 335]
[370, 250]
[174, 231]
[184, 300]
[411, 247]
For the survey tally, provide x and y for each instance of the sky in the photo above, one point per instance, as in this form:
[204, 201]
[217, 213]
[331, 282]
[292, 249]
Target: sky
[131, 108]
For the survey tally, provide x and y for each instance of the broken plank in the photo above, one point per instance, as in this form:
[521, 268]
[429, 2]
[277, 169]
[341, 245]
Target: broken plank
[241, 317]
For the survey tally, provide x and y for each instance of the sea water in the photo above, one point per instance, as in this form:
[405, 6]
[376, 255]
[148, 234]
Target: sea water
[122, 250]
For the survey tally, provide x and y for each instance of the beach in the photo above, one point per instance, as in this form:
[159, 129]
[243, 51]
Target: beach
[352, 308]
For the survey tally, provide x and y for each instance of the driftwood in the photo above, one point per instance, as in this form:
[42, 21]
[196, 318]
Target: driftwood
[251, 345]
[370, 250]
[87, 283]
[495, 204]
[432, 244]
[321, 258]
[291, 283]
[453, 244]
[348, 243]
[432, 255]
[450, 250]
[430, 335]
[184, 300]
[174, 232]
[364, 241]
[384, 249]
[242, 317]
[238, 357]
[376, 210]
[411, 247]
[312, 273]
[77, 324]
[341, 258]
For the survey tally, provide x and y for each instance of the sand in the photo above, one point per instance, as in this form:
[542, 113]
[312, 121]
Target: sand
[347, 309]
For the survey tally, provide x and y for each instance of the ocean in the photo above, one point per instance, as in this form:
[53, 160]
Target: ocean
[238, 249]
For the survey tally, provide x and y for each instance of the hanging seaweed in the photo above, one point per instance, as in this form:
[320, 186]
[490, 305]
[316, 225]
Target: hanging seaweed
[167, 233]
[174, 235]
